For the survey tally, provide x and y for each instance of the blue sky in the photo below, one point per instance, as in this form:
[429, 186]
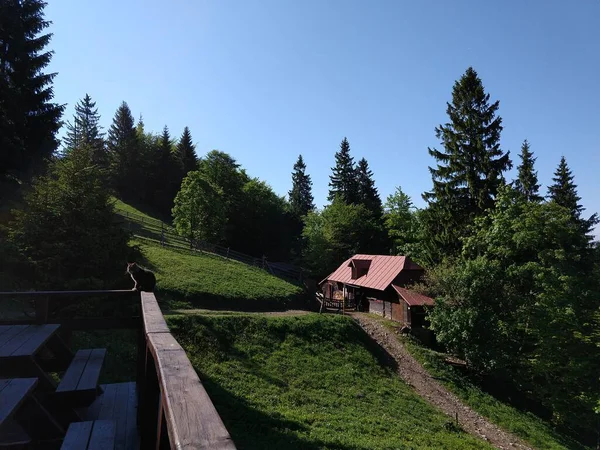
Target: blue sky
[267, 80]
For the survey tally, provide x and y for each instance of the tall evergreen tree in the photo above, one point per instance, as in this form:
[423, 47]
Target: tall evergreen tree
[343, 182]
[166, 169]
[469, 169]
[124, 153]
[564, 192]
[86, 129]
[527, 182]
[186, 152]
[367, 192]
[300, 197]
[29, 120]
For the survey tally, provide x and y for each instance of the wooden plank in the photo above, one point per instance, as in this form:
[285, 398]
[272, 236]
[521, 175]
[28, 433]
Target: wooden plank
[4, 330]
[13, 394]
[108, 403]
[39, 337]
[91, 373]
[131, 435]
[154, 321]
[103, 435]
[10, 332]
[120, 415]
[95, 323]
[192, 420]
[118, 292]
[73, 374]
[78, 436]
[158, 342]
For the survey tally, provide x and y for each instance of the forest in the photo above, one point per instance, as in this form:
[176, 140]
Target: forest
[515, 271]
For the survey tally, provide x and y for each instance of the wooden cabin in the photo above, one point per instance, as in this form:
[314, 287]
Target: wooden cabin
[378, 284]
[163, 406]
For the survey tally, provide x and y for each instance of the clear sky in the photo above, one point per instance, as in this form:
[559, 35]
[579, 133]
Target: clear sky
[266, 80]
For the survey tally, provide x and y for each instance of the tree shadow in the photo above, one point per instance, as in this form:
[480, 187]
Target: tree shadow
[251, 428]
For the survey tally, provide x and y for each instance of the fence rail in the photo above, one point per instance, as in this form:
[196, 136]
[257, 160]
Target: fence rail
[156, 231]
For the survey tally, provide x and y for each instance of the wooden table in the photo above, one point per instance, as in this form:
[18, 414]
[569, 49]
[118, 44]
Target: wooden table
[22, 417]
[20, 346]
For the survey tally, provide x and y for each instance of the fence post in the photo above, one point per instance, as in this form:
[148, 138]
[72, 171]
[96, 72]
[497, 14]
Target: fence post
[162, 234]
[227, 253]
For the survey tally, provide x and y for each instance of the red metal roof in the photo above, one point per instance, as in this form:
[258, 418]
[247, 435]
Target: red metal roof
[382, 271]
[413, 298]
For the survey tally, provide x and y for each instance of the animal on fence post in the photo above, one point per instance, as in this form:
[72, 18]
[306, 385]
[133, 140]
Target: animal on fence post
[143, 278]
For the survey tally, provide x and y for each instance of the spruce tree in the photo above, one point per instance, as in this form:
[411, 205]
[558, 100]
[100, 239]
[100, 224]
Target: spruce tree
[469, 168]
[564, 192]
[124, 154]
[367, 192]
[186, 152]
[29, 120]
[343, 182]
[86, 130]
[166, 170]
[300, 197]
[527, 181]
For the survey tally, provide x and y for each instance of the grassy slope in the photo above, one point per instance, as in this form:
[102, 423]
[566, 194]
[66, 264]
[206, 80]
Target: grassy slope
[523, 424]
[187, 280]
[308, 382]
[123, 207]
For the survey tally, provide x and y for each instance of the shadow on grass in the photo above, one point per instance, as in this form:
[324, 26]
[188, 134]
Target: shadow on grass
[251, 428]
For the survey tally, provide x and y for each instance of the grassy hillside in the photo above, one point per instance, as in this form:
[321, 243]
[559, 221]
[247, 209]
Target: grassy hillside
[308, 382]
[523, 424]
[199, 280]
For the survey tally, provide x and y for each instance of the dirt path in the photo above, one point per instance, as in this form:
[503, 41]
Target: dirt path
[215, 312]
[411, 371]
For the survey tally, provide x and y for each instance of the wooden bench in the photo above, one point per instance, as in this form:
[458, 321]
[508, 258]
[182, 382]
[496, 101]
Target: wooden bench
[92, 435]
[79, 385]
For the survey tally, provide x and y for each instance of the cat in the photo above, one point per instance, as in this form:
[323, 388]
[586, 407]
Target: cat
[143, 278]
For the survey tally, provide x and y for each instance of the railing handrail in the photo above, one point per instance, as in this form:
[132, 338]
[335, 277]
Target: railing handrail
[67, 293]
[185, 410]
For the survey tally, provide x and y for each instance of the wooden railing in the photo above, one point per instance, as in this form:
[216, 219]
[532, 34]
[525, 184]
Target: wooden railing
[174, 410]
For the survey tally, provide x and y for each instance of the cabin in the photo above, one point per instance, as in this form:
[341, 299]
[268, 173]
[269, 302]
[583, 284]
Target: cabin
[378, 284]
[51, 396]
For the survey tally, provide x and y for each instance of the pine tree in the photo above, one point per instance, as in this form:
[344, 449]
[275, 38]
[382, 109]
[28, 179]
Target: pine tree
[124, 154]
[86, 129]
[343, 182]
[527, 182]
[165, 170]
[186, 152]
[367, 192]
[564, 193]
[469, 169]
[29, 120]
[300, 197]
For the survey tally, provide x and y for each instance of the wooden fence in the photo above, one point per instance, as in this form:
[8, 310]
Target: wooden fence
[157, 231]
[174, 410]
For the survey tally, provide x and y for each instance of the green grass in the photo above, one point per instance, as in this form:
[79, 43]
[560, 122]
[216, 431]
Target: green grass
[527, 426]
[200, 280]
[122, 208]
[309, 382]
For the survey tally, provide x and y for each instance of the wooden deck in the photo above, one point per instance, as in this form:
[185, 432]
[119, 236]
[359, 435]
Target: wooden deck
[118, 403]
[165, 407]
